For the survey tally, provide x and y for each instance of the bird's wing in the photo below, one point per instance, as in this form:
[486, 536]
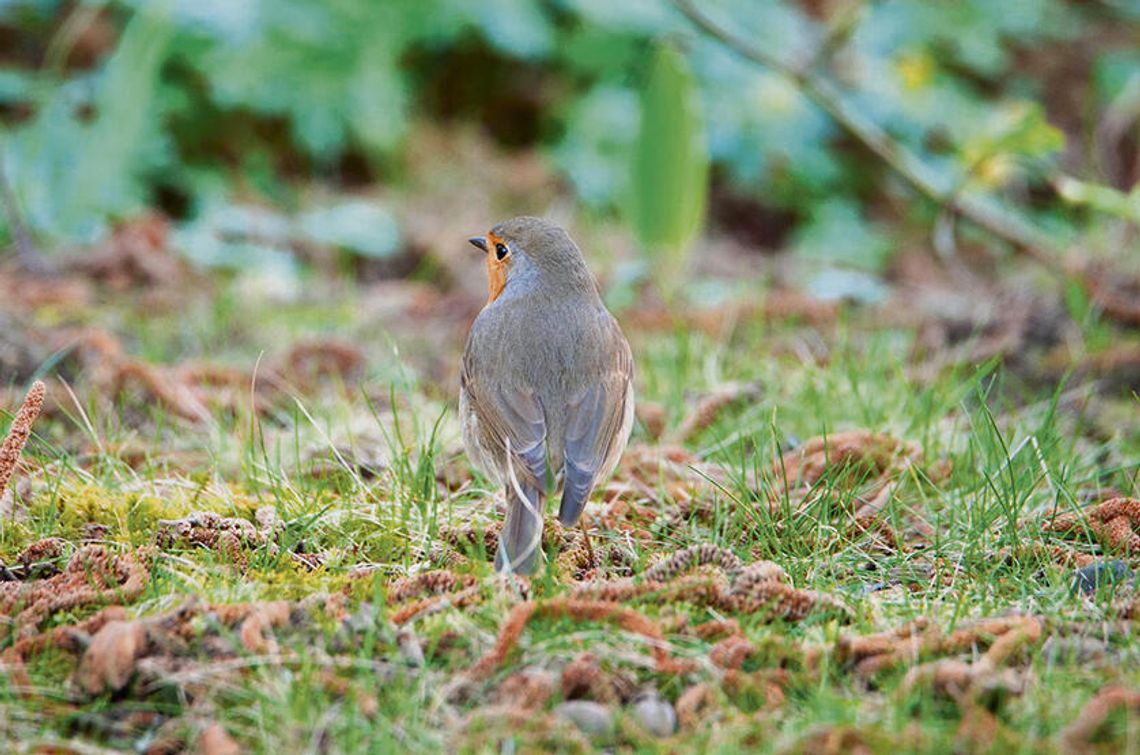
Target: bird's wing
[597, 427]
[507, 413]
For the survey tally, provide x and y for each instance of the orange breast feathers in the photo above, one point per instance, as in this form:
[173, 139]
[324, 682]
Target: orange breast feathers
[496, 268]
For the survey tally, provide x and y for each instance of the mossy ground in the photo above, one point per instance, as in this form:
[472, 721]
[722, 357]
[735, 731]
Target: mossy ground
[1009, 453]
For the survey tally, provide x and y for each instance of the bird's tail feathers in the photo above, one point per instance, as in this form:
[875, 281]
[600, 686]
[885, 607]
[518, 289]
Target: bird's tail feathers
[520, 542]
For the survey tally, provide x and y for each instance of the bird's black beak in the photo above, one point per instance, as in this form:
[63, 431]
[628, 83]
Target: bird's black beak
[479, 242]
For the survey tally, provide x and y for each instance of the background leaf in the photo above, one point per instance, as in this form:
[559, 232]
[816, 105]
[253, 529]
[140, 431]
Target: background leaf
[670, 159]
[72, 174]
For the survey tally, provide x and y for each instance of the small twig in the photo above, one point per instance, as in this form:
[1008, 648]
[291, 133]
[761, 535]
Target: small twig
[838, 33]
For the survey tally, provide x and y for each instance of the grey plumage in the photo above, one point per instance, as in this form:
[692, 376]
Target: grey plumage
[547, 372]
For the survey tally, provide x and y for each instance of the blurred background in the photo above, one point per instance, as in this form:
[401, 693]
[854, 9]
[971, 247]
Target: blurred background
[878, 262]
[964, 166]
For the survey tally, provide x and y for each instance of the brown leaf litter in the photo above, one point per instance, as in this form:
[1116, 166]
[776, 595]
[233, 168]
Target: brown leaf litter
[93, 577]
[835, 740]
[440, 588]
[584, 678]
[453, 541]
[431, 582]
[650, 480]
[780, 305]
[534, 729]
[760, 587]
[583, 559]
[768, 685]
[732, 652]
[212, 531]
[695, 703]
[528, 689]
[1058, 554]
[190, 389]
[751, 588]
[576, 553]
[135, 256]
[39, 560]
[193, 390]
[978, 687]
[1115, 522]
[872, 461]
[986, 675]
[964, 318]
[215, 740]
[70, 638]
[702, 414]
[1117, 296]
[1079, 736]
[578, 610]
[870, 654]
[167, 649]
[110, 659]
[232, 536]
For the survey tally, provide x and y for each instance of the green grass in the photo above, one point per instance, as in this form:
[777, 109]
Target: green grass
[1013, 455]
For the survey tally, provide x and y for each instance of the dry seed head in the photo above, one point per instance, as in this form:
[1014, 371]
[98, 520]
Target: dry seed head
[692, 557]
[18, 434]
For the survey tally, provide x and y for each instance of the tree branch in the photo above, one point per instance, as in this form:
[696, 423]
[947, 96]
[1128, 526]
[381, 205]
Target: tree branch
[983, 212]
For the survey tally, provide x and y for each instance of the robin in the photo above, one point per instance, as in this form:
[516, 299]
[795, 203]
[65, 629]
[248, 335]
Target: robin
[546, 384]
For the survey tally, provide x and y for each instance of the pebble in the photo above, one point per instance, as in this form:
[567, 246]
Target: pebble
[592, 719]
[1090, 578]
[654, 714]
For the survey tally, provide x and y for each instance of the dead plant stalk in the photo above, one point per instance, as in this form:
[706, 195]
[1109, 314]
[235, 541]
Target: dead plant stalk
[19, 432]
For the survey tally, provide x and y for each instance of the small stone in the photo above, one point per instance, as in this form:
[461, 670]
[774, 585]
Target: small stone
[592, 719]
[655, 715]
[1089, 579]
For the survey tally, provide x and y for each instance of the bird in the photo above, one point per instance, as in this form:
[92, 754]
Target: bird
[546, 382]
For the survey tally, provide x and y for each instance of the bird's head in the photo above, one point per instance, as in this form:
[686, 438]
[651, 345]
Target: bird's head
[526, 253]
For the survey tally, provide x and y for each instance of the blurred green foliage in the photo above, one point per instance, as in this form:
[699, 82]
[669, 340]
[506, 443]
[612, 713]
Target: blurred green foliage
[81, 156]
[112, 107]
[669, 171]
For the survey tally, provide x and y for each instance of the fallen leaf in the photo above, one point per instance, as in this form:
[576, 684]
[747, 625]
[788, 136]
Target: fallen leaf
[109, 662]
[215, 740]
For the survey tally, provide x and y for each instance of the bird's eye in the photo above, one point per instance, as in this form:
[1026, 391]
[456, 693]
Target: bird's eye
[501, 251]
